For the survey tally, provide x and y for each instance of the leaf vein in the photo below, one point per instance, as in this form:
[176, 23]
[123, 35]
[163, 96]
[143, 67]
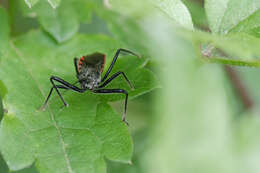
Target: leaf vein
[16, 50]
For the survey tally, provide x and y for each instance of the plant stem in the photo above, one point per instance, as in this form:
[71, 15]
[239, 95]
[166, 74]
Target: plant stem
[239, 87]
[234, 62]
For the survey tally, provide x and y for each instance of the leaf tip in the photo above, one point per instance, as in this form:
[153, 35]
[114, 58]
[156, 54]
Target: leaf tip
[28, 4]
[54, 5]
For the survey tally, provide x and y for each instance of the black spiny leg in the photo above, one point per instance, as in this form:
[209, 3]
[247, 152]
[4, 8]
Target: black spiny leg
[65, 85]
[114, 60]
[47, 99]
[119, 91]
[115, 76]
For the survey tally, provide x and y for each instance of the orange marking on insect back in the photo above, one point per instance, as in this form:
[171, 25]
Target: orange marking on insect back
[80, 62]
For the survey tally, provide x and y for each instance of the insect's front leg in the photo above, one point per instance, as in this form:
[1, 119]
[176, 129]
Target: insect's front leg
[76, 60]
[65, 85]
[54, 78]
[49, 95]
[114, 61]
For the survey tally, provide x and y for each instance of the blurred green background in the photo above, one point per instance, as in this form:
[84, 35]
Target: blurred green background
[203, 118]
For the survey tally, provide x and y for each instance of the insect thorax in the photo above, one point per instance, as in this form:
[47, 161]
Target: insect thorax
[89, 77]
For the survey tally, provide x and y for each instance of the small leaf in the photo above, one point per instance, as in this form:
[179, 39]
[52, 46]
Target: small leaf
[73, 139]
[13, 130]
[225, 15]
[238, 49]
[61, 22]
[250, 25]
[177, 11]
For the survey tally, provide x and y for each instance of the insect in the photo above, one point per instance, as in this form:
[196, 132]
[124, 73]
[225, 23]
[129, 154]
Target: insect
[88, 72]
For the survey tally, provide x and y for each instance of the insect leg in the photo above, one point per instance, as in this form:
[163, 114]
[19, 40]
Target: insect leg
[115, 75]
[119, 91]
[76, 60]
[114, 60]
[65, 84]
[49, 95]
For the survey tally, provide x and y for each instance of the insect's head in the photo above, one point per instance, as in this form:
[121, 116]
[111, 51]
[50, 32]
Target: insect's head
[89, 77]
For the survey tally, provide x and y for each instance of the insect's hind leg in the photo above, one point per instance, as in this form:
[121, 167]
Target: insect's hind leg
[119, 91]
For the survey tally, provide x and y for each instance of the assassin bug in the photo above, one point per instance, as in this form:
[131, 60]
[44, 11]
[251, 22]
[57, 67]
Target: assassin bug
[88, 72]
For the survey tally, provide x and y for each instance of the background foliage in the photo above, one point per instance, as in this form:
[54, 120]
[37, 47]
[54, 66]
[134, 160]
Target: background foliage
[195, 103]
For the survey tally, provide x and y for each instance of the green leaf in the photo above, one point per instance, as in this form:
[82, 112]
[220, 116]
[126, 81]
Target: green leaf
[236, 45]
[127, 7]
[4, 32]
[132, 26]
[3, 166]
[246, 143]
[12, 131]
[122, 19]
[250, 25]
[134, 37]
[191, 115]
[238, 49]
[198, 127]
[177, 11]
[236, 15]
[83, 9]
[62, 22]
[73, 139]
